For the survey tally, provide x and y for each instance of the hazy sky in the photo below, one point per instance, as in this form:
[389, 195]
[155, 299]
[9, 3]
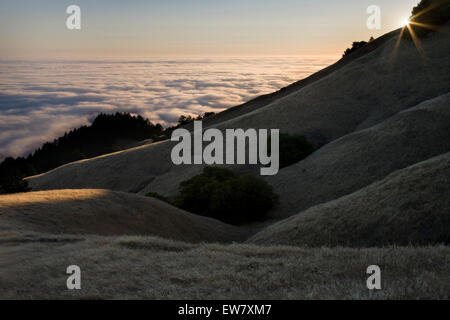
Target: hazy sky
[141, 28]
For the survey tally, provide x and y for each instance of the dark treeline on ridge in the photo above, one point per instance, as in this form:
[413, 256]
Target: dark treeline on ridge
[107, 133]
[356, 45]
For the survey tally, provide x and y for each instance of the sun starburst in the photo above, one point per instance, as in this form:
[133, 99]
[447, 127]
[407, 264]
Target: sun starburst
[405, 22]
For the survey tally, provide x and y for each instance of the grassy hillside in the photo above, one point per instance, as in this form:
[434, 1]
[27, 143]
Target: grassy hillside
[149, 268]
[102, 212]
[361, 158]
[410, 206]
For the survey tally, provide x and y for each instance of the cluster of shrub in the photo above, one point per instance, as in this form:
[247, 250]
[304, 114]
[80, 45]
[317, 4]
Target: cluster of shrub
[107, 133]
[183, 121]
[236, 199]
[221, 194]
[356, 46]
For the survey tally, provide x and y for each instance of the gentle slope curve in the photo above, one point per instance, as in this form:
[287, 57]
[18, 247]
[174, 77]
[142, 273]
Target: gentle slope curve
[102, 212]
[410, 206]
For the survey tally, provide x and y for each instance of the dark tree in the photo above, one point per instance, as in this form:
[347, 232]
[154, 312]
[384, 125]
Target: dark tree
[183, 120]
[293, 149]
[355, 46]
[219, 193]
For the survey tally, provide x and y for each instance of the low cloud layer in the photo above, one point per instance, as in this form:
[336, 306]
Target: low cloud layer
[39, 101]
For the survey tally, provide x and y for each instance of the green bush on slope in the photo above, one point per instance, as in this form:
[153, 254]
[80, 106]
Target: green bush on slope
[293, 148]
[219, 193]
[157, 196]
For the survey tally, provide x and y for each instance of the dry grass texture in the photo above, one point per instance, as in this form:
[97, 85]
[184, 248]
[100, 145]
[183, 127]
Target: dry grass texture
[150, 268]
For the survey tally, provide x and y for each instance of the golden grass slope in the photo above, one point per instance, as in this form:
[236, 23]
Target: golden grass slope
[410, 206]
[103, 212]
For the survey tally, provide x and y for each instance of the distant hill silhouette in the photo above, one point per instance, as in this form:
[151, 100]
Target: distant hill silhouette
[107, 133]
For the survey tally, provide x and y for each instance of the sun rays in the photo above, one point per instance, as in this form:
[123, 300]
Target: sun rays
[408, 25]
[428, 15]
[415, 39]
